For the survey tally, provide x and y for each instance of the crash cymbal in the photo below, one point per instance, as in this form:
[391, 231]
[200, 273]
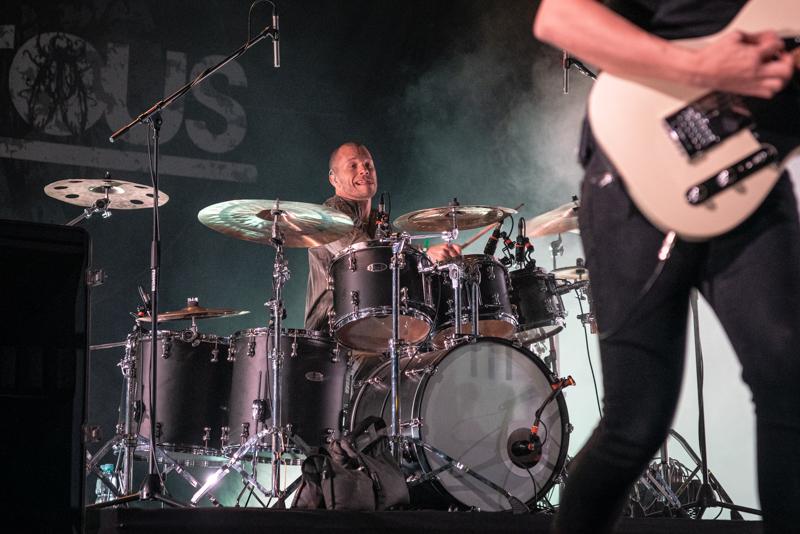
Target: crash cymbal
[191, 312]
[304, 225]
[122, 195]
[558, 221]
[450, 217]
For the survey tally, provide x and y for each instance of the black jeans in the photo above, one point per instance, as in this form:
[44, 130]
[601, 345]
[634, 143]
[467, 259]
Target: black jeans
[751, 278]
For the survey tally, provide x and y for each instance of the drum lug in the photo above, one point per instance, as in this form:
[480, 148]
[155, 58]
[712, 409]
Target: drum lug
[215, 352]
[352, 262]
[496, 299]
[294, 348]
[159, 427]
[224, 438]
[331, 433]
[232, 353]
[490, 272]
[354, 300]
[331, 319]
[514, 311]
[206, 436]
[245, 435]
[251, 347]
[371, 381]
[329, 283]
[570, 429]
[404, 295]
[166, 345]
[424, 371]
[450, 305]
[414, 423]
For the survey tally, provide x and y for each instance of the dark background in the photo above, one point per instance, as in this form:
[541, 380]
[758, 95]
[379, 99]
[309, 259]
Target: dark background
[452, 98]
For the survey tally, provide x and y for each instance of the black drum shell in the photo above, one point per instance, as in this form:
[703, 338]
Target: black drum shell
[497, 317]
[312, 406]
[192, 391]
[362, 273]
[538, 303]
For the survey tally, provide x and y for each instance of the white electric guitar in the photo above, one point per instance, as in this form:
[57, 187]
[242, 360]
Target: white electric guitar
[691, 158]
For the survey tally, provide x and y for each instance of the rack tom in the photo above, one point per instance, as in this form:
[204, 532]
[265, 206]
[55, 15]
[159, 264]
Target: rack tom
[497, 317]
[360, 277]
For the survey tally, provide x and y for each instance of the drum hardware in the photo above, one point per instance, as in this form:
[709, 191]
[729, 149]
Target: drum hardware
[97, 196]
[556, 249]
[575, 272]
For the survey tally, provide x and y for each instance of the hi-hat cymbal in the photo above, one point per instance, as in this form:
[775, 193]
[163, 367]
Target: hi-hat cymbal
[191, 312]
[450, 217]
[304, 225]
[574, 272]
[558, 221]
[122, 195]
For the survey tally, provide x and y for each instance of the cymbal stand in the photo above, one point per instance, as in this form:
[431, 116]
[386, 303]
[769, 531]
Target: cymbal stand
[280, 275]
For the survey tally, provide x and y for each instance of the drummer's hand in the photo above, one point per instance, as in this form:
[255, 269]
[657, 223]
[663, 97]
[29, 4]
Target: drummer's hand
[444, 252]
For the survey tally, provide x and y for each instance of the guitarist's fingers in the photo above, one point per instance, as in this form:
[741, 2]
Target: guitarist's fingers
[768, 43]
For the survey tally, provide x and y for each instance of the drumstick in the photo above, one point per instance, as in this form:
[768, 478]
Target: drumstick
[479, 234]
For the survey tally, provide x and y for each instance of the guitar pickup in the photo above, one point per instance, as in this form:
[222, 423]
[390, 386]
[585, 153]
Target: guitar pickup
[725, 178]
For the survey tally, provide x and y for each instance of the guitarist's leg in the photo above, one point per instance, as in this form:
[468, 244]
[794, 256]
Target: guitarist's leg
[753, 285]
[643, 359]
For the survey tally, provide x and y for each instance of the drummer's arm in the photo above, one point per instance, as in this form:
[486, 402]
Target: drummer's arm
[444, 251]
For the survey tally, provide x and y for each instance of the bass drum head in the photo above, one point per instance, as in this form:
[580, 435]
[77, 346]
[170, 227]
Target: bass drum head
[477, 396]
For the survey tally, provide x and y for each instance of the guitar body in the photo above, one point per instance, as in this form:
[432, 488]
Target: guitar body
[627, 115]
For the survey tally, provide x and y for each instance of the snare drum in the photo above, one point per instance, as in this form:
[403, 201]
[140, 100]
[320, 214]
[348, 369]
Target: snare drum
[361, 279]
[194, 384]
[541, 311]
[472, 402]
[312, 384]
[496, 315]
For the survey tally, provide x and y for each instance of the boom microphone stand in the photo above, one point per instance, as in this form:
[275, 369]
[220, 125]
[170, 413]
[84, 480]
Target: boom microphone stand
[152, 486]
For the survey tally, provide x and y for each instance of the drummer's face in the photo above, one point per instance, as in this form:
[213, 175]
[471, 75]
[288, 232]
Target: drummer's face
[354, 173]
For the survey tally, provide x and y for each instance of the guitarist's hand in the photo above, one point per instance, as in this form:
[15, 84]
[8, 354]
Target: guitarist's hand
[748, 64]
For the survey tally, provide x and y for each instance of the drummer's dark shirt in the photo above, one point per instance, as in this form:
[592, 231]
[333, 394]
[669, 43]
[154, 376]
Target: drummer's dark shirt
[319, 301]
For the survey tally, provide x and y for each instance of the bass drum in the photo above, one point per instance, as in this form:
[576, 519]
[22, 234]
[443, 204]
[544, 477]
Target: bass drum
[472, 402]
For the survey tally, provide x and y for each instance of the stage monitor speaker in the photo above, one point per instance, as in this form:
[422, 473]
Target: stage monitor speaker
[44, 341]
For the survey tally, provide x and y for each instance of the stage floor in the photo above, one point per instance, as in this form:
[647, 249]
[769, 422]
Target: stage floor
[252, 520]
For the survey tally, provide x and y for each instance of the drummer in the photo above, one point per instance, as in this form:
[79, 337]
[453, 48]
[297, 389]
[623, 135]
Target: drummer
[352, 174]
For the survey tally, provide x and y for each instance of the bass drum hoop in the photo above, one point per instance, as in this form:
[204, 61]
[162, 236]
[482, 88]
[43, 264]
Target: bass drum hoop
[420, 455]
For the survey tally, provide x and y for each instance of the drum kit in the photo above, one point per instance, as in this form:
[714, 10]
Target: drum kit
[462, 384]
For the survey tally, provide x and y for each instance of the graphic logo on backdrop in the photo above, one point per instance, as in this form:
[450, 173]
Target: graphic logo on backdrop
[61, 85]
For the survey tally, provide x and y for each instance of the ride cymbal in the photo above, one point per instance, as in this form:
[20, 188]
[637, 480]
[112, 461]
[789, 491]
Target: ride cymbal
[303, 224]
[450, 217]
[558, 221]
[121, 195]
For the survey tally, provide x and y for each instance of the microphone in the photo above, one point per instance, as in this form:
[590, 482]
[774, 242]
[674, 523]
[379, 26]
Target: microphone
[491, 245]
[145, 299]
[382, 204]
[520, 246]
[525, 447]
[276, 38]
